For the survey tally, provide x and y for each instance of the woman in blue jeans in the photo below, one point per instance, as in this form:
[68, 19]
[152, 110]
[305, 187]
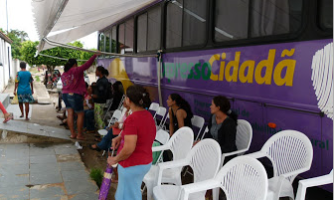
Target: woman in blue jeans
[105, 143]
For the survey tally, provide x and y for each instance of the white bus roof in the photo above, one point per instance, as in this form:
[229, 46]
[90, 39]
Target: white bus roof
[64, 21]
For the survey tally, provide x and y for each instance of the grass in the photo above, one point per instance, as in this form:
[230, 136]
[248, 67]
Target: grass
[97, 176]
[37, 79]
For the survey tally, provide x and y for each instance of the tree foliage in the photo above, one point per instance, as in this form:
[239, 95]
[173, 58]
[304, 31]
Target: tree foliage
[29, 49]
[17, 37]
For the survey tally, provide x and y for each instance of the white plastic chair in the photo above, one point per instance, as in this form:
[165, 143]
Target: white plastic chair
[160, 112]
[242, 178]
[243, 141]
[162, 126]
[204, 158]
[206, 131]
[154, 107]
[243, 138]
[115, 117]
[290, 153]
[162, 137]
[304, 184]
[198, 122]
[120, 105]
[180, 144]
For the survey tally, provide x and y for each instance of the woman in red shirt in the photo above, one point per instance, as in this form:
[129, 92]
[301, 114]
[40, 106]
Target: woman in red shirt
[134, 156]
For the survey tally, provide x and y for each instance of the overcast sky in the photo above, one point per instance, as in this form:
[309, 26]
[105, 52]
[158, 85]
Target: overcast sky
[20, 17]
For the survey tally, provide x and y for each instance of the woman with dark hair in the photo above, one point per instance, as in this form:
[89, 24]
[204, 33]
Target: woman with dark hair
[134, 156]
[100, 97]
[74, 88]
[24, 88]
[179, 113]
[223, 124]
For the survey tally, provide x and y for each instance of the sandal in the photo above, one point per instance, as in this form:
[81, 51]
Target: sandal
[10, 116]
[73, 137]
[94, 148]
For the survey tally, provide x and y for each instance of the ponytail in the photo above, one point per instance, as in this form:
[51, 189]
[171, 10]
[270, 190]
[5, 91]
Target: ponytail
[182, 103]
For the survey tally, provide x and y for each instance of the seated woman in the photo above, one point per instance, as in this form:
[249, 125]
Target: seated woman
[179, 113]
[223, 124]
[105, 143]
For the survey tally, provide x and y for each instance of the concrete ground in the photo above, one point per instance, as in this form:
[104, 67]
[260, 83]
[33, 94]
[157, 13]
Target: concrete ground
[38, 161]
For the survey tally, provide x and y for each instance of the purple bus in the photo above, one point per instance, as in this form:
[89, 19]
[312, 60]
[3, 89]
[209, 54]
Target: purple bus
[262, 55]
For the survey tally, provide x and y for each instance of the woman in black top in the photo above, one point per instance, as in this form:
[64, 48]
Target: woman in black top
[223, 124]
[179, 113]
[99, 96]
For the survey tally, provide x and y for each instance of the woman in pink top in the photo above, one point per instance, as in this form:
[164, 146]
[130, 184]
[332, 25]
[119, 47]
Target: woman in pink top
[74, 88]
[134, 156]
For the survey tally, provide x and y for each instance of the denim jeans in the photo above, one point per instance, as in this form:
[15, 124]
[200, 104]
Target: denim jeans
[105, 143]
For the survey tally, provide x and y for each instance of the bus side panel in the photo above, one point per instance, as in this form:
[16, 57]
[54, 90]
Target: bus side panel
[327, 150]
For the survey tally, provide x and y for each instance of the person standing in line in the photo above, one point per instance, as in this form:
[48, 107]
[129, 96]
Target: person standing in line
[134, 155]
[24, 89]
[99, 96]
[8, 116]
[74, 87]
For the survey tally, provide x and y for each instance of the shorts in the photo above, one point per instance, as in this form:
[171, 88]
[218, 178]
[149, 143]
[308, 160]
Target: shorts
[74, 101]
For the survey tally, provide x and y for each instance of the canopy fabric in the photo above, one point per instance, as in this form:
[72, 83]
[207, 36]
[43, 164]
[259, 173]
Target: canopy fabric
[64, 21]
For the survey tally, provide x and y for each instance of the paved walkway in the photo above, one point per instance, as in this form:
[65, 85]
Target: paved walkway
[44, 172]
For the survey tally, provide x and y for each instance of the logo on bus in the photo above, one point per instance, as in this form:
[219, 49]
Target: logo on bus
[249, 71]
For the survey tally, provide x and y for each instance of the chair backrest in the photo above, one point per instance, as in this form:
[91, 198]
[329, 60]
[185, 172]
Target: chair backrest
[181, 142]
[162, 136]
[244, 135]
[154, 106]
[198, 122]
[243, 178]
[161, 112]
[289, 150]
[205, 159]
[115, 117]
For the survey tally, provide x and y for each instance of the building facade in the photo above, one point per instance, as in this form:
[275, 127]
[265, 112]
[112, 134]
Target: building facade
[7, 70]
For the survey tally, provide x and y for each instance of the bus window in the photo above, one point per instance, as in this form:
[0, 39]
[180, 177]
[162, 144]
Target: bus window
[121, 38]
[326, 14]
[107, 40]
[256, 18]
[154, 28]
[101, 42]
[113, 39]
[142, 33]
[129, 28]
[186, 23]
[194, 22]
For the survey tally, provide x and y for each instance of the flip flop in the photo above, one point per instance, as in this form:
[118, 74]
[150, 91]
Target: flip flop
[9, 118]
[81, 138]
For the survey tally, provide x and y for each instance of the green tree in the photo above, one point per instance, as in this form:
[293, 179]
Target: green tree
[29, 50]
[17, 37]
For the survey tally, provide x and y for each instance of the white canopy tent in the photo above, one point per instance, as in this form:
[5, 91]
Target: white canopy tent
[64, 21]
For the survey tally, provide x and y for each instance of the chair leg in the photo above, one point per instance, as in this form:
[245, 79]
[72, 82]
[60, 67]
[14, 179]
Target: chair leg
[215, 194]
[149, 193]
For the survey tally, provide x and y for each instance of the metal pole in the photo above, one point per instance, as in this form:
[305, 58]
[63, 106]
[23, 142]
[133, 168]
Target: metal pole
[7, 16]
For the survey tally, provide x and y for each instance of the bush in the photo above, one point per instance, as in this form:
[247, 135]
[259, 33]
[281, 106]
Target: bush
[97, 176]
[37, 79]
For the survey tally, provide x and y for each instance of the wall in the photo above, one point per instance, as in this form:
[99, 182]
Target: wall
[6, 70]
